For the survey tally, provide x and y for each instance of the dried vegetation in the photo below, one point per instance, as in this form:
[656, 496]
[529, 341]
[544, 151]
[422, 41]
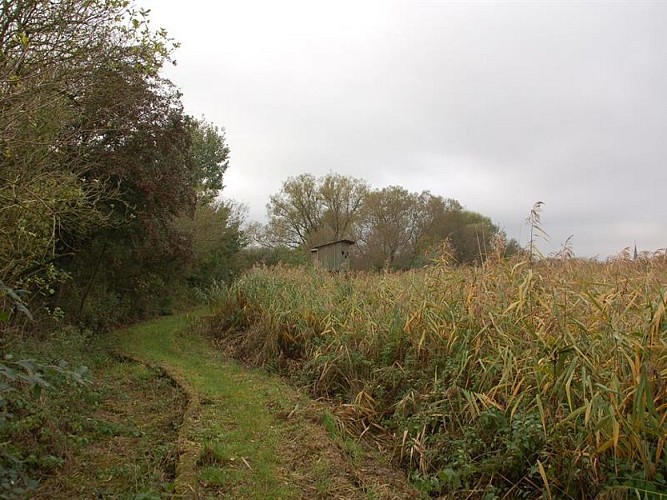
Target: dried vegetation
[513, 379]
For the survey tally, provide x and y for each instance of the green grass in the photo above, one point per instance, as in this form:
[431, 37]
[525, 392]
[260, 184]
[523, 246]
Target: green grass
[244, 435]
[166, 415]
[233, 433]
[112, 437]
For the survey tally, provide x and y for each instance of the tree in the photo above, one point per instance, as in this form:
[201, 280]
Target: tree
[389, 227]
[168, 168]
[308, 210]
[342, 199]
[217, 237]
[470, 234]
[99, 160]
[295, 213]
[400, 229]
[210, 155]
[55, 58]
[393, 227]
[134, 264]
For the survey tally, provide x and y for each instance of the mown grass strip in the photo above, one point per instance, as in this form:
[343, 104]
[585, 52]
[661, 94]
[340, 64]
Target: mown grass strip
[229, 440]
[113, 436]
[250, 435]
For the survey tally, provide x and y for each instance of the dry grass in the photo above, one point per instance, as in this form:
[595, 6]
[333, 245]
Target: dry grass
[509, 379]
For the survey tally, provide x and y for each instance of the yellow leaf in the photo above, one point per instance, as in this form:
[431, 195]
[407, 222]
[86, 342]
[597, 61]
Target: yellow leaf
[543, 473]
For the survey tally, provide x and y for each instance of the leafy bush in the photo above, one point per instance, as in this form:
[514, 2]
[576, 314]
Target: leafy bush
[24, 417]
[24, 386]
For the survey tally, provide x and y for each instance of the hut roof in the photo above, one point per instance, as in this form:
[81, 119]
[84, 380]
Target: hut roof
[349, 242]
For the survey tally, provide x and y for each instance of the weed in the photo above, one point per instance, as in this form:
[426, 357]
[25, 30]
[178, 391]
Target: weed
[112, 435]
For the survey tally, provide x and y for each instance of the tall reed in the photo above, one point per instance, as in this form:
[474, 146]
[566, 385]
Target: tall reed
[515, 379]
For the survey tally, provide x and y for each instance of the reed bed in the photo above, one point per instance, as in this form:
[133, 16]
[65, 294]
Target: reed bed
[513, 379]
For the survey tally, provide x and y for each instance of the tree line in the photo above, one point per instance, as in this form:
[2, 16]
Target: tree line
[104, 178]
[393, 228]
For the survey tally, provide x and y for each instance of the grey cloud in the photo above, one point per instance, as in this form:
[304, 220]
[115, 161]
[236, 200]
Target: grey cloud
[495, 104]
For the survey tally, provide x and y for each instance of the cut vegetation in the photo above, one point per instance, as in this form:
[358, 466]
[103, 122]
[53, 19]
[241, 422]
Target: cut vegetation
[168, 416]
[250, 435]
[113, 436]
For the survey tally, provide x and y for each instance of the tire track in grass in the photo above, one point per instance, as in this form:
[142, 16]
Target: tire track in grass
[247, 434]
[188, 451]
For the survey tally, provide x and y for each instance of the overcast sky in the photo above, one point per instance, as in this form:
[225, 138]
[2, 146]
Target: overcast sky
[495, 104]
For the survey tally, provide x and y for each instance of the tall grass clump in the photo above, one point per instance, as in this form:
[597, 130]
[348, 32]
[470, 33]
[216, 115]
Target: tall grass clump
[516, 378]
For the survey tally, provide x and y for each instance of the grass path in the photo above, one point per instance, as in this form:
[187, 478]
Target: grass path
[246, 434]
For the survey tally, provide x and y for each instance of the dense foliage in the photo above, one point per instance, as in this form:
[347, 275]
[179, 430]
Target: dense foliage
[97, 162]
[512, 379]
[393, 228]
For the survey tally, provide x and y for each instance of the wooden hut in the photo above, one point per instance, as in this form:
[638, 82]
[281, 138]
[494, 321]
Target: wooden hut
[334, 256]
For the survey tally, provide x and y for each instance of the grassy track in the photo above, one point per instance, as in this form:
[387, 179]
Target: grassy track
[249, 435]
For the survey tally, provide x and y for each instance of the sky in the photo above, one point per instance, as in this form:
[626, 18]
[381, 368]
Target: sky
[496, 104]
